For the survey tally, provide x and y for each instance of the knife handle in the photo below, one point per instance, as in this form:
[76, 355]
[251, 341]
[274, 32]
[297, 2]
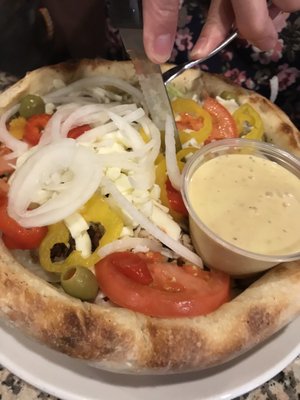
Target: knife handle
[126, 14]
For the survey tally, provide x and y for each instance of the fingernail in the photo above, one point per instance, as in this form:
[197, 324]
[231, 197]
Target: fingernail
[200, 49]
[162, 48]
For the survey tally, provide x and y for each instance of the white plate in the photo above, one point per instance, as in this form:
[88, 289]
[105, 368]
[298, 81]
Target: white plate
[70, 379]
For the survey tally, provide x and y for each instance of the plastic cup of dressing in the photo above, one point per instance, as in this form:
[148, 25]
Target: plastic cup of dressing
[243, 199]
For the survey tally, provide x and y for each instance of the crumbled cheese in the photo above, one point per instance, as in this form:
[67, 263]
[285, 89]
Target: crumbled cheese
[155, 192]
[126, 231]
[146, 208]
[78, 227]
[231, 105]
[165, 223]
[123, 183]
[113, 173]
[140, 196]
[191, 143]
[76, 224]
[115, 147]
[49, 108]
[83, 244]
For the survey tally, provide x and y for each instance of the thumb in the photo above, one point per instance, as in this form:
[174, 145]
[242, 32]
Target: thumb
[160, 23]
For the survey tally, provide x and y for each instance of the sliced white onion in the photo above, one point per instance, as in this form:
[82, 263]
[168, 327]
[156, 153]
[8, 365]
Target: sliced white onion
[17, 146]
[171, 160]
[129, 133]
[84, 83]
[155, 142]
[83, 115]
[274, 87]
[95, 134]
[136, 244]
[52, 131]
[38, 170]
[144, 222]
[82, 100]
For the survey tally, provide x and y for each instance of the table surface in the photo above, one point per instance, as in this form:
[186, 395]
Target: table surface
[284, 386]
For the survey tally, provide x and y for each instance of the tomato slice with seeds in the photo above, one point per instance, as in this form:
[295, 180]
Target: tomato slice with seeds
[188, 121]
[175, 199]
[133, 267]
[15, 235]
[173, 291]
[224, 126]
[34, 127]
[78, 131]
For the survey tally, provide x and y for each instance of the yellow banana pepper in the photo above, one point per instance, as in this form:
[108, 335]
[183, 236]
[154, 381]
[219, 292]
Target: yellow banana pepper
[16, 127]
[247, 118]
[144, 136]
[195, 114]
[95, 210]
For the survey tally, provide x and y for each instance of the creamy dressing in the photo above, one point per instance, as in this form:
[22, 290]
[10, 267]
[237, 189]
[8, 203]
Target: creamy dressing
[249, 201]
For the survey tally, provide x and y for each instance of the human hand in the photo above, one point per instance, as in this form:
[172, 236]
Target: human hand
[251, 18]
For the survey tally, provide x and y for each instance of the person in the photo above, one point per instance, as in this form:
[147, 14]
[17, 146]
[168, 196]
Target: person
[178, 30]
[39, 32]
[251, 18]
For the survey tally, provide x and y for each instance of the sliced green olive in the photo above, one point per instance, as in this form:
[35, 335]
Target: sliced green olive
[79, 282]
[227, 95]
[31, 105]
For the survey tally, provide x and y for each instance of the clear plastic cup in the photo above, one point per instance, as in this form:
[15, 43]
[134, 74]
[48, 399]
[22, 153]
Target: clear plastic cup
[215, 251]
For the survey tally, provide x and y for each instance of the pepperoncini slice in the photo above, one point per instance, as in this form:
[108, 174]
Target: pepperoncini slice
[96, 210]
[249, 122]
[144, 135]
[16, 127]
[194, 123]
[161, 178]
[227, 95]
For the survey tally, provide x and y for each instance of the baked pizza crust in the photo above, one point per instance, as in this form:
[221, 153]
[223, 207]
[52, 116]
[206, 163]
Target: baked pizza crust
[121, 340]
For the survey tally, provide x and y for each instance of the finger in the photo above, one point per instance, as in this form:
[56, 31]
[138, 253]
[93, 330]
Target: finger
[160, 23]
[215, 30]
[254, 23]
[288, 5]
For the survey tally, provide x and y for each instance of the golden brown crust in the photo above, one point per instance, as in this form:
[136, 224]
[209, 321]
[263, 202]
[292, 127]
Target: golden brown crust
[121, 340]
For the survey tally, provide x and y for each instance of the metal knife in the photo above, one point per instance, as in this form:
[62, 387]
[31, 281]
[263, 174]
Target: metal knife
[126, 15]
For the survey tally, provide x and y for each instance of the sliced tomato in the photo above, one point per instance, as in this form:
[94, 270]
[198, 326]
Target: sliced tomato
[11, 244]
[224, 126]
[5, 165]
[188, 121]
[152, 256]
[34, 127]
[25, 238]
[134, 267]
[173, 291]
[175, 199]
[78, 131]
[4, 187]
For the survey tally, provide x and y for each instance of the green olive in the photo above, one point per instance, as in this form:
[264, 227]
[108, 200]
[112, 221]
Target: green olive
[31, 105]
[227, 95]
[79, 282]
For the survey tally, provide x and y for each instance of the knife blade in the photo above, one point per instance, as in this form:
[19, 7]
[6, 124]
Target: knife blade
[126, 15]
